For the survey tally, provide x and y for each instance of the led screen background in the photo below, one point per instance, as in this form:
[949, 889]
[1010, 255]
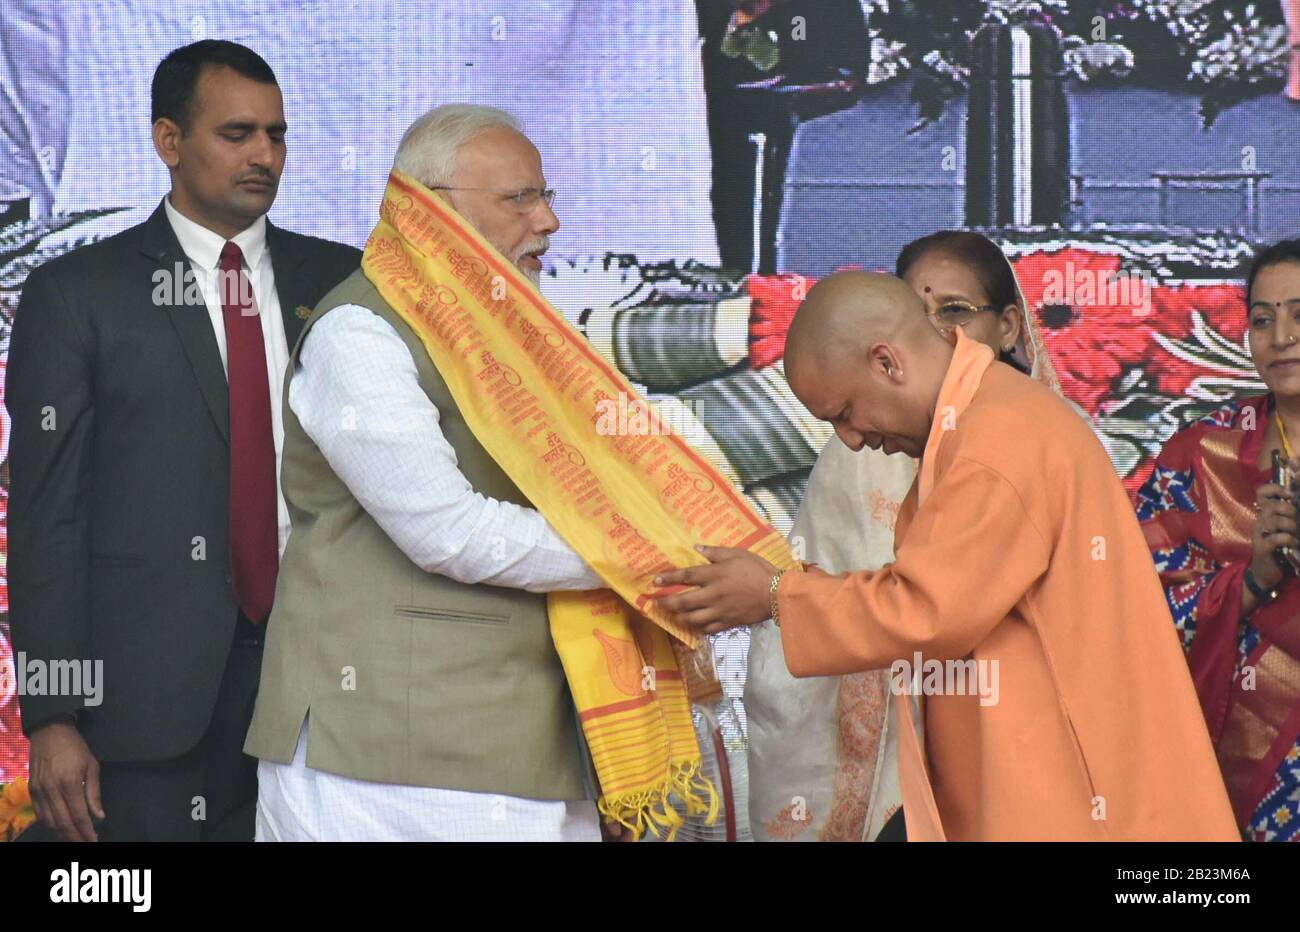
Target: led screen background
[713, 158]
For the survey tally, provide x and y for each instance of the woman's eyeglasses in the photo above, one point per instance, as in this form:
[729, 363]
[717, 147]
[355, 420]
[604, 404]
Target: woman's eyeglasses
[955, 313]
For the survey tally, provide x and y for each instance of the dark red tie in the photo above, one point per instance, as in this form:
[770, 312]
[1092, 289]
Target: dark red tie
[254, 544]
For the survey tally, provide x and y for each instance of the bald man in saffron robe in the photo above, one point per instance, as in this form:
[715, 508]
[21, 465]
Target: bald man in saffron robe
[1019, 563]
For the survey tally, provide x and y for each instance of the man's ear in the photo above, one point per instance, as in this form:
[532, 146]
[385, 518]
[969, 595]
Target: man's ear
[883, 360]
[166, 141]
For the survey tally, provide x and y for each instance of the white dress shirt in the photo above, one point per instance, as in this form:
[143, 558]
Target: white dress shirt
[203, 247]
[356, 393]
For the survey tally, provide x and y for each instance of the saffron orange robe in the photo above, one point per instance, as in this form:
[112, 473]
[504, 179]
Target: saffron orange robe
[1018, 546]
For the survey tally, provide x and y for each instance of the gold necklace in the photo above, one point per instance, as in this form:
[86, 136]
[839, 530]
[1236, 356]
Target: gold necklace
[1281, 430]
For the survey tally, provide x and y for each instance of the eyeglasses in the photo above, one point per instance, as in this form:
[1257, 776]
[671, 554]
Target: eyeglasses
[955, 313]
[524, 200]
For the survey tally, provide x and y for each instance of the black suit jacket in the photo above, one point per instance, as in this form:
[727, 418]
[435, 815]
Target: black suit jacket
[120, 482]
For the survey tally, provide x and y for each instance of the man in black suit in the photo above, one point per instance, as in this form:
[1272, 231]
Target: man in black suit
[145, 522]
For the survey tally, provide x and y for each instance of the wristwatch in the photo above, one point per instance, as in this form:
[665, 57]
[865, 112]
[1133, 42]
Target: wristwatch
[1262, 596]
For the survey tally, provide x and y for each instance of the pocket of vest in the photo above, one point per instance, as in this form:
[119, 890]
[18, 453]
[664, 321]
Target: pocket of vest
[435, 614]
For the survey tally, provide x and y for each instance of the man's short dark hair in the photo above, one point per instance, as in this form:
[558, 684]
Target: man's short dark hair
[176, 79]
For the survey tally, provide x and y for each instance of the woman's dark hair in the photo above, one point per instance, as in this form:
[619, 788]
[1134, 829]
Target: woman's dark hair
[1287, 250]
[176, 79]
[985, 260]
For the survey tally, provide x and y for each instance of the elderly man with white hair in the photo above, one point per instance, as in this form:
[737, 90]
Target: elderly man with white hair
[410, 686]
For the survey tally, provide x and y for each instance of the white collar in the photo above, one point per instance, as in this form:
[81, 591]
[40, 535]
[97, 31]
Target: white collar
[203, 246]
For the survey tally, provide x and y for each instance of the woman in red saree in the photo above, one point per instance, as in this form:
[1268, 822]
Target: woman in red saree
[1214, 520]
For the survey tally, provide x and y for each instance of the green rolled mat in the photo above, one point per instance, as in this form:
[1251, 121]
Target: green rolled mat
[667, 346]
[757, 423]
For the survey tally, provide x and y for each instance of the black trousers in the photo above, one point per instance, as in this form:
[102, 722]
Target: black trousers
[206, 794]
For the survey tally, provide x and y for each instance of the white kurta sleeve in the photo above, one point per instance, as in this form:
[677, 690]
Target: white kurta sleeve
[356, 393]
